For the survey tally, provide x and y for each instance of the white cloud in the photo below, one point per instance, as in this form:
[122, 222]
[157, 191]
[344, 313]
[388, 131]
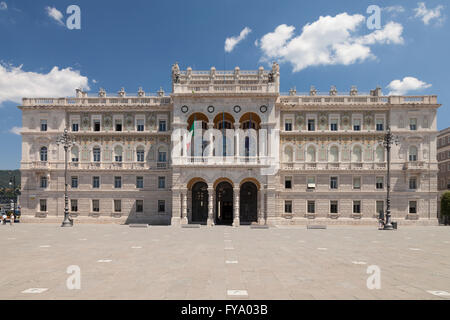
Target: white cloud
[3, 5]
[231, 42]
[16, 130]
[429, 14]
[55, 14]
[16, 83]
[402, 87]
[327, 41]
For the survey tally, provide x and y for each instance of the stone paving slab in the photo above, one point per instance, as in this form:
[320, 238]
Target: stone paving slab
[160, 262]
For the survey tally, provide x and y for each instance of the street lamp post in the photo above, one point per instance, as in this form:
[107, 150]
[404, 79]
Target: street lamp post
[12, 183]
[388, 140]
[66, 141]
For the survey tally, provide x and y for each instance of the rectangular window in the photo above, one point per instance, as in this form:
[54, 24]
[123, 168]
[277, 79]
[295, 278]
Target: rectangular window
[161, 182]
[43, 205]
[117, 205]
[140, 125]
[311, 207]
[43, 125]
[162, 156]
[139, 182]
[96, 125]
[288, 206]
[413, 207]
[288, 182]
[379, 124]
[380, 207]
[334, 125]
[44, 182]
[161, 206]
[333, 182]
[96, 205]
[311, 125]
[96, 154]
[333, 206]
[413, 124]
[96, 182]
[356, 207]
[288, 125]
[139, 205]
[162, 125]
[118, 125]
[73, 205]
[140, 155]
[357, 125]
[75, 126]
[311, 183]
[117, 182]
[379, 183]
[413, 183]
[357, 183]
[74, 182]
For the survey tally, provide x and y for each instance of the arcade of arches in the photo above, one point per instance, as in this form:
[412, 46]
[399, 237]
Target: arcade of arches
[223, 202]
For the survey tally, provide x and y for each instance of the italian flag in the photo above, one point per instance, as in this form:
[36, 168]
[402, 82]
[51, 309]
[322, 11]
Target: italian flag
[189, 139]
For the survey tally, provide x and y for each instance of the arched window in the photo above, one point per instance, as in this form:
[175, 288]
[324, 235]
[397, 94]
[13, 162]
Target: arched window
[75, 154]
[43, 154]
[118, 154]
[379, 154]
[334, 154]
[96, 154]
[311, 154]
[140, 153]
[412, 153]
[357, 154]
[288, 154]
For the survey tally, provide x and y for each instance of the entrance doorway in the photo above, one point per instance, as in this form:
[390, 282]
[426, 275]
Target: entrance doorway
[224, 203]
[248, 205]
[200, 202]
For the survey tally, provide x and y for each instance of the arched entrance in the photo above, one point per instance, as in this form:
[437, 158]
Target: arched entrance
[199, 202]
[224, 203]
[248, 205]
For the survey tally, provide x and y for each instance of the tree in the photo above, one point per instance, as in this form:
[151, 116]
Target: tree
[445, 206]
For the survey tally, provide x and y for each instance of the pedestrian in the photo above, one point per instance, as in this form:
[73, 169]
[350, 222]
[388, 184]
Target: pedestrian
[4, 218]
[11, 219]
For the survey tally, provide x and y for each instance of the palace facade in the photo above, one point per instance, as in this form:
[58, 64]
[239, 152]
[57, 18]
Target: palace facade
[281, 159]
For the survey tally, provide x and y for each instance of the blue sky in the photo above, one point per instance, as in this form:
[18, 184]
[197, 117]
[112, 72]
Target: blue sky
[134, 43]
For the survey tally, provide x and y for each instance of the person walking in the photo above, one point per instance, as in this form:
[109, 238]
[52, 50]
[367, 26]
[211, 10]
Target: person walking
[4, 218]
[11, 219]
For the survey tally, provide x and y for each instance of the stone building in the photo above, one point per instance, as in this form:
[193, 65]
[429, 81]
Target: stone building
[226, 147]
[443, 158]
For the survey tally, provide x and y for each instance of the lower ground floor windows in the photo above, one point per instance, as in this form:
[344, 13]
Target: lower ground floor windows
[161, 206]
[413, 207]
[288, 206]
[74, 205]
[333, 207]
[311, 207]
[357, 207]
[43, 205]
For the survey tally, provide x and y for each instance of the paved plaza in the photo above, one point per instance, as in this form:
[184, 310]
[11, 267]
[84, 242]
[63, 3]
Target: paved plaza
[222, 262]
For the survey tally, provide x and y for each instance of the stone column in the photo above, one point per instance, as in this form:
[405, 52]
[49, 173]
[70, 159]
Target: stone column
[176, 207]
[211, 142]
[210, 221]
[237, 146]
[236, 218]
[262, 207]
[184, 219]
